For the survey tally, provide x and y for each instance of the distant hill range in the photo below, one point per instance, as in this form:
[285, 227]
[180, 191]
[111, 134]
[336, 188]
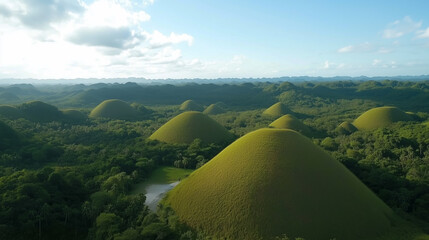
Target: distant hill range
[8, 81]
[246, 93]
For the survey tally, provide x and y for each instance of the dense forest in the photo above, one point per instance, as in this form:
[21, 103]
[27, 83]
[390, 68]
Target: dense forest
[65, 174]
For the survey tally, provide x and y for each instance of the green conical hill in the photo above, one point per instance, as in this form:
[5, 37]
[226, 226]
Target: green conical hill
[10, 112]
[277, 110]
[380, 117]
[191, 105]
[74, 115]
[276, 181]
[290, 122]
[214, 109]
[187, 126]
[114, 109]
[40, 112]
[346, 128]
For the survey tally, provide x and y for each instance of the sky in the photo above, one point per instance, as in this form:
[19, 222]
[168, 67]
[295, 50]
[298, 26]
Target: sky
[155, 39]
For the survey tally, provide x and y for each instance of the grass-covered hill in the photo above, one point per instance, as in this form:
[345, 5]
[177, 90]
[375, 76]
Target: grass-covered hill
[380, 117]
[214, 109]
[288, 121]
[277, 110]
[346, 127]
[114, 109]
[190, 105]
[40, 112]
[275, 181]
[10, 112]
[188, 126]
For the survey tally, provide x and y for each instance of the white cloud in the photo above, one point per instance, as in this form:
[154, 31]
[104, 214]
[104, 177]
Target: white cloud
[148, 2]
[363, 47]
[331, 65]
[423, 33]
[326, 65]
[40, 14]
[100, 38]
[157, 39]
[401, 27]
[375, 62]
[238, 59]
[346, 49]
[112, 13]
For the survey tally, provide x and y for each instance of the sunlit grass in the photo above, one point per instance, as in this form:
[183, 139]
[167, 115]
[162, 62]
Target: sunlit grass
[277, 110]
[188, 126]
[273, 182]
[380, 117]
[114, 109]
[290, 122]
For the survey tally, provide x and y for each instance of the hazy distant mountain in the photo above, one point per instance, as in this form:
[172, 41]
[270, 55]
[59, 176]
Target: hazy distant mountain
[146, 81]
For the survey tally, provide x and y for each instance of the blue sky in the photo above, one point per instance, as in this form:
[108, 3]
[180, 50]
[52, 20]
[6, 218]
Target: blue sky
[212, 39]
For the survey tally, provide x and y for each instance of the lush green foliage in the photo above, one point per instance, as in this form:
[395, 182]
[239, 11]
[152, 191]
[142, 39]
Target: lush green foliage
[67, 177]
[169, 175]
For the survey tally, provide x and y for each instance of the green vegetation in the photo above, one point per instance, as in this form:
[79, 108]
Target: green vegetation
[40, 112]
[168, 175]
[74, 115]
[277, 110]
[380, 117]
[261, 184]
[191, 105]
[65, 178]
[188, 126]
[114, 109]
[290, 122]
[9, 138]
[8, 97]
[214, 109]
[10, 112]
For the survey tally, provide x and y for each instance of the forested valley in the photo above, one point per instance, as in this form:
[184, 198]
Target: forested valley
[67, 171]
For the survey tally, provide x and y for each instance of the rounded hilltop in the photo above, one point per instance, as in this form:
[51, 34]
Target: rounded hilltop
[272, 182]
[188, 126]
[40, 111]
[290, 122]
[114, 109]
[277, 110]
[380, 117]
[346, 127]
[214, 109]
[191, 105]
